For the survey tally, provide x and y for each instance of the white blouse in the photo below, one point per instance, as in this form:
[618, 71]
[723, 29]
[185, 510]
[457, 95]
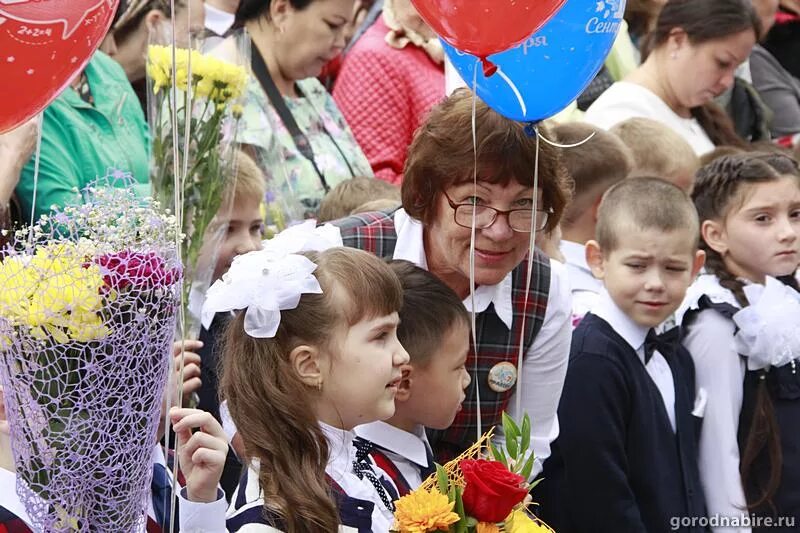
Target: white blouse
[720, 371]
[210, 517]
[624, 100]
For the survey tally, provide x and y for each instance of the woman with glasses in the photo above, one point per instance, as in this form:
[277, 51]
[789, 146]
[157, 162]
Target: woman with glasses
[444, 194]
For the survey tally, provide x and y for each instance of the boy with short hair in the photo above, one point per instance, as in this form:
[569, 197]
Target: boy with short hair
[658, 151]
[342, 200]
[434, 330]
[626, 458]
[594, 166]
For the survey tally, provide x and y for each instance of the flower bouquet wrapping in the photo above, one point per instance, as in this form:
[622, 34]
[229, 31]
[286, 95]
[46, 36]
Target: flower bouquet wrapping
[194, 111]
[472, 494]
[87, 317]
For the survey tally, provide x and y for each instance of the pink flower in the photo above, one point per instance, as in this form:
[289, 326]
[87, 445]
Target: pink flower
[141, 270]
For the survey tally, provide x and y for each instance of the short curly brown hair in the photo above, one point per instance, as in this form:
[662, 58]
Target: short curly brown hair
[441, 155]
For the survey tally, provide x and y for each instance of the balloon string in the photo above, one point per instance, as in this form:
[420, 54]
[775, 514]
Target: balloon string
[557, 145]
[528, 279]
[40, 120]
[511, 84]
[177, 181]
[472, 257]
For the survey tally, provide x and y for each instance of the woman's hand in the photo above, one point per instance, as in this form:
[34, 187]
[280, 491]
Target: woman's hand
[202, 453]
[16, 147]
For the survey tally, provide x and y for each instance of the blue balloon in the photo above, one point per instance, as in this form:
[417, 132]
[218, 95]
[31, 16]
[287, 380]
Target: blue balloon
[540, 77]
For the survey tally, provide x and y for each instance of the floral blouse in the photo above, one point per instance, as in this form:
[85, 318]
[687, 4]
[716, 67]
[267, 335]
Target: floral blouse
[292, 180]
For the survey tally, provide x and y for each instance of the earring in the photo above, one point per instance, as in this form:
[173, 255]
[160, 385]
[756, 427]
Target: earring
[319, 385]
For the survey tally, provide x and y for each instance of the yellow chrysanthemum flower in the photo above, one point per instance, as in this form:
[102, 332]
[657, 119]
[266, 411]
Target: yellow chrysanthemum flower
[421, 511]
[53, 293]
[520, 522]
[211, 78]
[18, 283]
[487, 527]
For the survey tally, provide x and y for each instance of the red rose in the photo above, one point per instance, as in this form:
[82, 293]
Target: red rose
[491, 491]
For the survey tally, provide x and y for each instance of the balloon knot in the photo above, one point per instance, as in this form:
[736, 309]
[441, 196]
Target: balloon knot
[489, 68]
[530, 129]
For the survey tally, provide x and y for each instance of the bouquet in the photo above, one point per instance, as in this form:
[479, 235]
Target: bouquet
[87, 316]
[471, 494]
[194, 112]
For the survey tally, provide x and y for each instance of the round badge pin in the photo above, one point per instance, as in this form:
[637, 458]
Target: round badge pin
[502, 376]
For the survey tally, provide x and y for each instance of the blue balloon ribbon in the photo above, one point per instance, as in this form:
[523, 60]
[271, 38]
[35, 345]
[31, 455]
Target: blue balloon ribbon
[540, 77]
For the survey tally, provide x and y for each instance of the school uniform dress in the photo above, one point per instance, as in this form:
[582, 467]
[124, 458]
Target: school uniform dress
[731, 382]
[360, 503]
[499, 310]
[626, 457]
[585, 287]
[405, 457]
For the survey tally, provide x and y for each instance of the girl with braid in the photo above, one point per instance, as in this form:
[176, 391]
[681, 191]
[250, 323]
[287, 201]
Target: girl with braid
[740, 325]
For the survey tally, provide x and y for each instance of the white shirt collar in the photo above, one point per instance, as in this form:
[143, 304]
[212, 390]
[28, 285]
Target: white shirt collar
[341, 451]
[705, 285]
[9, 498]
[411, 446]
[411, 247]
[581, 277]
[575, 254]
[630, 331]
[217, 20]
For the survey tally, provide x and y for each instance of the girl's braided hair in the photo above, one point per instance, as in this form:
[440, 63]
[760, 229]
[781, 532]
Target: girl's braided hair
[718, 186]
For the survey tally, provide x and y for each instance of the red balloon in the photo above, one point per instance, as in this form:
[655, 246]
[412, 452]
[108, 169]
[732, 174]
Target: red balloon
[485, 27]
[43, 44]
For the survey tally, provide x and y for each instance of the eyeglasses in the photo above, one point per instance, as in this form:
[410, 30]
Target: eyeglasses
[518, 219]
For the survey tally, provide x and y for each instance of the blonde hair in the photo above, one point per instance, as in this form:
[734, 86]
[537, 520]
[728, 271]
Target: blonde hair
[248, 181]
[646, 203]
[384, 204]
[350, 194]
[274, 409]
[657, 149]
[593, 166]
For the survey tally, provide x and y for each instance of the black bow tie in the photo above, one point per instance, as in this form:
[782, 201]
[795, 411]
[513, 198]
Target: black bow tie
[664, 343]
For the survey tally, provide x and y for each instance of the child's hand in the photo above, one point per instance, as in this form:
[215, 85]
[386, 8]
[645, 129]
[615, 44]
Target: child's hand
[202, 454]
[191, 378]
[191, 368]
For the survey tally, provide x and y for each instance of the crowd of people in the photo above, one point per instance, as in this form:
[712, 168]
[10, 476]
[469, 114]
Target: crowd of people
[635, 334]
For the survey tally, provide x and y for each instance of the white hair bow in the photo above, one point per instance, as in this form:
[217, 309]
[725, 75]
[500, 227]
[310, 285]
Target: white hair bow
[271, 280]
[769, 328]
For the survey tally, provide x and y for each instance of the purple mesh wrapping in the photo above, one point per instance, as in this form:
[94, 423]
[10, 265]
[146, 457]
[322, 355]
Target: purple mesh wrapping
[86, 327]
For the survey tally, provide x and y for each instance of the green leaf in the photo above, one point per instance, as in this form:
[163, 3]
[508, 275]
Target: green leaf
[536, 483]
[510, 428]
[441, 477]
[525, 434]
[503, 458]
[471, 522]
[461, 525]
[528, 468]
[511, 446]
[496, 453]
